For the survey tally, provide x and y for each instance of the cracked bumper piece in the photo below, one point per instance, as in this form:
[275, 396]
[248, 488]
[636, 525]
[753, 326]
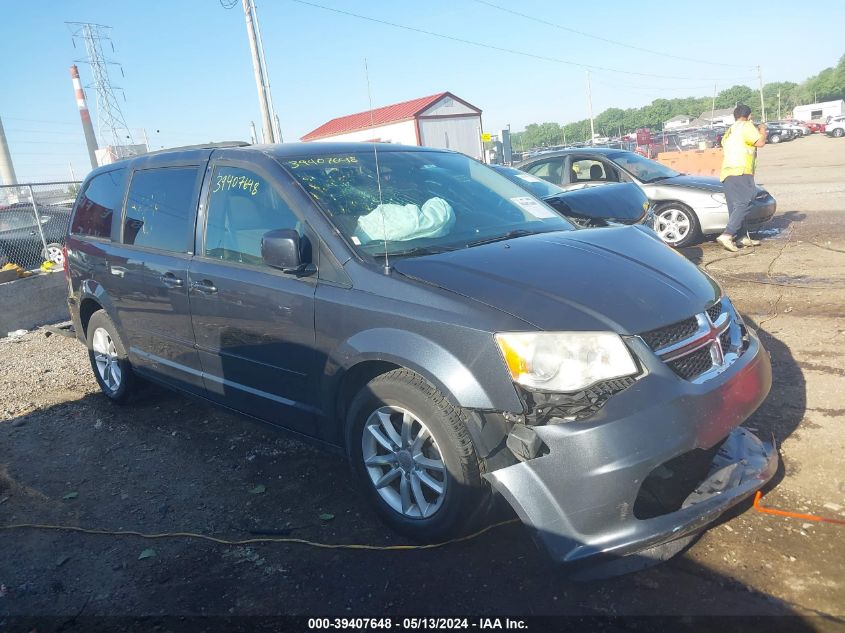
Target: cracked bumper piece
[580, 496]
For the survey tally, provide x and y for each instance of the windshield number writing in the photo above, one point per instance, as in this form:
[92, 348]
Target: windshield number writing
[330, 160]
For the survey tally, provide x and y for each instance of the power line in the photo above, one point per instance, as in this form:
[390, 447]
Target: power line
[501, 49]
[605, 39]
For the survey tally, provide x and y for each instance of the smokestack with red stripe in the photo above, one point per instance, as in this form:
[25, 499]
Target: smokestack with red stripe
[87, 127]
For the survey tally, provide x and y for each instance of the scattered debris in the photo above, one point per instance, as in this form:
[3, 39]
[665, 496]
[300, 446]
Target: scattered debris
[260, 489]
[16, 334]
[326, 516]
[147, 553]
[71, 495]
[62, 560]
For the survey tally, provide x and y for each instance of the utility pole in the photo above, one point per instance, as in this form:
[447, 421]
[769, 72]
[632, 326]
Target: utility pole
[713, 106]
[590, 109]
[260, 73]
[762, 102]
[253, 135]
[778, 105]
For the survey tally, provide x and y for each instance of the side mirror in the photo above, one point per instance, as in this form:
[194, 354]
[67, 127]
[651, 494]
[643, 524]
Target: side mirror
[281, 248]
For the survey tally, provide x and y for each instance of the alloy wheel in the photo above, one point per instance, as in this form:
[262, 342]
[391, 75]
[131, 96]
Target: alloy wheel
[672, 225]
[106, 360]
[54, 254]
[404, 462]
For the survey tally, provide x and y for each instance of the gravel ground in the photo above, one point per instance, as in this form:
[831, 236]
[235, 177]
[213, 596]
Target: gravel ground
[166, 464]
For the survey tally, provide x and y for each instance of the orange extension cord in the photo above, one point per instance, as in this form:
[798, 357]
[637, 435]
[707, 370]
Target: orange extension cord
[793, 515]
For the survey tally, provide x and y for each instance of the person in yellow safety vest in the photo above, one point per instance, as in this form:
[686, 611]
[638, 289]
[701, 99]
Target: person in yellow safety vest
[740, 144]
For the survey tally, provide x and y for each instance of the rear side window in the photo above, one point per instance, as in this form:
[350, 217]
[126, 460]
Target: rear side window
[242, 207]
[97, 204]
[160, 209]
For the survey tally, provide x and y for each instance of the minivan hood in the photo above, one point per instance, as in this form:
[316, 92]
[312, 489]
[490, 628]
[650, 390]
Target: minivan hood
[620, 279]
[707, 183]
[620, 202]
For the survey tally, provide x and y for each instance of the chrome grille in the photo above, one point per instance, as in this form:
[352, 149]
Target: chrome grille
[698, 347]
[693, 365]
[714, 311]
[670, 334]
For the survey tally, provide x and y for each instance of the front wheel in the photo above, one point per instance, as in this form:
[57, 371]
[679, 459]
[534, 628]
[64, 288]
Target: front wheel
[412, 453]
[109, 359]
[775, 138]
[676, 224]
[54, 253]
[838, 132]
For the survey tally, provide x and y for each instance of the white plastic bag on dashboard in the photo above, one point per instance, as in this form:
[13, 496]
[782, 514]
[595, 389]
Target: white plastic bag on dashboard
[396, 222]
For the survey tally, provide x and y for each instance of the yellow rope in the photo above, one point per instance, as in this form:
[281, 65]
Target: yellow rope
[250, 541]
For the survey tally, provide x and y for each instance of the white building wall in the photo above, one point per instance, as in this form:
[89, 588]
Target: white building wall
[828, 108]
[403, 132]
[447, 106]
[461, 134]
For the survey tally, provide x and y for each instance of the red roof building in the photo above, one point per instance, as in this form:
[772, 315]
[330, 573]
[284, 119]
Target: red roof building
[440, 120]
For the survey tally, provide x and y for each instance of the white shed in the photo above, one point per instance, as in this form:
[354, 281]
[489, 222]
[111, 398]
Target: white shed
[818, 111]
[441, 120]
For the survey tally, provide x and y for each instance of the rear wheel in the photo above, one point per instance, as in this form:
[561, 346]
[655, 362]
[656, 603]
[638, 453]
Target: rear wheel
[411, 452]
[775, 138]
[109, 359]
[676, 224]
[839, 132]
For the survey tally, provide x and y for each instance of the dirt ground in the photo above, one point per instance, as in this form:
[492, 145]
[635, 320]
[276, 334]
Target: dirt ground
[167, 464]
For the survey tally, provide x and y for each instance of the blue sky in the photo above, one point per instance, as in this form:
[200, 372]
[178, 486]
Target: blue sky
[188, 76]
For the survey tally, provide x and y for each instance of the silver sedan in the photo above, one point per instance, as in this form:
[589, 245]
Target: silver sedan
[686, 207]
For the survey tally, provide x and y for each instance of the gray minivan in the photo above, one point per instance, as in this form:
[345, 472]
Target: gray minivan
[440, 325]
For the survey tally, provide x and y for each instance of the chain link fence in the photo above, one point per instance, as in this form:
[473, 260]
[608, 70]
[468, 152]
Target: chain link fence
[34, 220]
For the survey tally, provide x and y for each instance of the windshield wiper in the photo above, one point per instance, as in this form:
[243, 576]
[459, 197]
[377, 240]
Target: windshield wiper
[419, 250]
[506, 236]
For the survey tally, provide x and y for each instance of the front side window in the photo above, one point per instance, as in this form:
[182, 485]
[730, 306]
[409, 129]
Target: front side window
[242, 207]
[416, 202]
[588, 170]
[160, 209]
[97, 203]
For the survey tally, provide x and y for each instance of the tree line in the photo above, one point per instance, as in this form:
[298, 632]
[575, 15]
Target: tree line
[828, 85]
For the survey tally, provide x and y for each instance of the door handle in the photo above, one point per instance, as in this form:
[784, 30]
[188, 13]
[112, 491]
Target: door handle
[171, 281]
[204, 286]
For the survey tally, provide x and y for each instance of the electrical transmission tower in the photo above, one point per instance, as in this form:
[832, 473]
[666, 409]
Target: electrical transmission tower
[111, 125]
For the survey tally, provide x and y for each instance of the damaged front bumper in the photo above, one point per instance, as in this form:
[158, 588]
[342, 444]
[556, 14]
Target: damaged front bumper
[583, 494]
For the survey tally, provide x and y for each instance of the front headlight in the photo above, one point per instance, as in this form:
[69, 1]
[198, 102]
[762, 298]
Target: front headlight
[564, 361]
[720, 198]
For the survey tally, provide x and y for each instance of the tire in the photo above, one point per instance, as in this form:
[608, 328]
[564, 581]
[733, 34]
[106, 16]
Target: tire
[676, 224]
[109, 359]
[445, 457]
[775, 139]
[54, 253]
[838, 132]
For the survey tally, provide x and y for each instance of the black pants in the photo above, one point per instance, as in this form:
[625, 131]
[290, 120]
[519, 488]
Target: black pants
[739, 194]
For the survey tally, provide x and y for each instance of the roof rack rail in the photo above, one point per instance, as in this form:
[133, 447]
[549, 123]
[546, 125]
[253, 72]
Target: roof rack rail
[200, 146]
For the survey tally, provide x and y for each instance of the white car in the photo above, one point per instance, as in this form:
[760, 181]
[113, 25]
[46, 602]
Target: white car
[836, 126]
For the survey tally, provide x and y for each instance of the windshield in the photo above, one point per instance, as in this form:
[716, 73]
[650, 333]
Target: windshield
[642, 168]
[537, 186]
[421, 201]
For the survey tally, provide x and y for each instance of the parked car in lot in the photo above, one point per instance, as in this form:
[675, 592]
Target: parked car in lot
[20, 238]
[620, 203]
[776, 133]
[815, 126]
[451, 334]
[686, 207]
[835, 127]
